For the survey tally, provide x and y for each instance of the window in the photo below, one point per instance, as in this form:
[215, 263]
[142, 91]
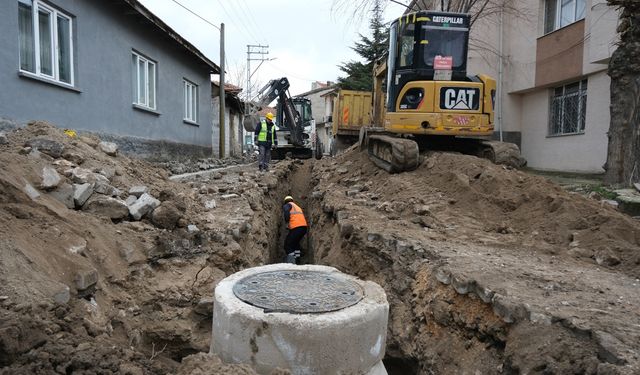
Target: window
[568, 109]
[190, 101]
[144, 81]
[560, 13]
[46, 45]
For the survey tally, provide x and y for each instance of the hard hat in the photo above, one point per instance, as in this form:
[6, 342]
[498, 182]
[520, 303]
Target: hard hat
[269, 116]
[288, 198]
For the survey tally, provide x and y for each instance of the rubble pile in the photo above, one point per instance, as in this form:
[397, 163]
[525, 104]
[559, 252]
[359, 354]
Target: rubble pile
[487, 269]
[107, 266]
[177, 167]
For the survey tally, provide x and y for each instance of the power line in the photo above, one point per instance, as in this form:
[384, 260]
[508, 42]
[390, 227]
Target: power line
[232, 20]
[196, 14]
[289, 73]
[253, 20]
[239, 14]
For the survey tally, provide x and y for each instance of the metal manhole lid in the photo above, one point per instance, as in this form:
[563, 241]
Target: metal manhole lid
[298, 292]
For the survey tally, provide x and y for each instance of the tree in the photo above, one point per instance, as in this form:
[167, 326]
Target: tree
[622, 166]
[360, 74]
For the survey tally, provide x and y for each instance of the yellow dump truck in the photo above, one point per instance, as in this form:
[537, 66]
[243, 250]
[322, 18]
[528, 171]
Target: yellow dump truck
[351, 111]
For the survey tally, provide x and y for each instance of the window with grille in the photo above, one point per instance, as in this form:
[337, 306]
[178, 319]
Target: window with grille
[144, 81]
[45, 40]
[190, 101]
[568, 109]
[560, 13]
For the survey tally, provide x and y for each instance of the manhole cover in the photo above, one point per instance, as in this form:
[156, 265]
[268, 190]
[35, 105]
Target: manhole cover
[298, 291]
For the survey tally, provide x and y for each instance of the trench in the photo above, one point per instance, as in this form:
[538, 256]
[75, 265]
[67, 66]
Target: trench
[432, 329]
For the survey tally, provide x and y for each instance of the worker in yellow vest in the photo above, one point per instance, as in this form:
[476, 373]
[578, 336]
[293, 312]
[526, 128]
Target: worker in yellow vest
[294, 216]
[265, 137]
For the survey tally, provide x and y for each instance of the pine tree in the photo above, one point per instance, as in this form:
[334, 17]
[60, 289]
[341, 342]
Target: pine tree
[360, 74]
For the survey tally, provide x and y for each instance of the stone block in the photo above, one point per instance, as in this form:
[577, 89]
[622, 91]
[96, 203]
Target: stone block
[81, 193]
[138, 190]
[73, 157]
[64, 195]
[144, 205]
[131, 199]
[86, 278]
[46, 146]
[112, 208]
[192, 228]
[3, 138]
[210, 204]
[31, 191]
[108, 148]
[80, 175]
[105, 188]
[62, 295]
[49, 178]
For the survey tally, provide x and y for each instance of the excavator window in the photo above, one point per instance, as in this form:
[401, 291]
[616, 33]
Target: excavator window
[406, 45]
[444, 41]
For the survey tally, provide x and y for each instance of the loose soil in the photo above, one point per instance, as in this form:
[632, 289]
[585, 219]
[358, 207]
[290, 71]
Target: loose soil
[487, 270]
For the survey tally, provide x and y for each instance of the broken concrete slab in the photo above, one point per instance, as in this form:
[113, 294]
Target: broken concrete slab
[131, 200]
[112, 208]
[629, 201]
[210, 204]
[144, 205]
[108, 148]
[64, 194]
[86, 278]
[81, 193]
[46, 146]
[204, 306]
[105, 188]
[138, 190]
[31, 191]
[62, 295]
[49, 178]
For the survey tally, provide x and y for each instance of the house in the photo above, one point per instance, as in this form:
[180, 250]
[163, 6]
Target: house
[234, 115]
[106, 67]
[321, 108]
[550, 60]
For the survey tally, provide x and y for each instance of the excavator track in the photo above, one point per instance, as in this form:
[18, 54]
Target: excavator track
[392, 154]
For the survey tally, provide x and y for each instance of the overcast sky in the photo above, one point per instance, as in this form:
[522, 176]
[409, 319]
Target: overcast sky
[306, 38]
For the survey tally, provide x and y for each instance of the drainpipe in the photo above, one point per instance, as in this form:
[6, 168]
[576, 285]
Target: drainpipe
[500, 71]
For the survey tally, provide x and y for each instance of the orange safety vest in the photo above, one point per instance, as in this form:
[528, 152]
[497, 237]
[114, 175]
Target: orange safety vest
[296, 217]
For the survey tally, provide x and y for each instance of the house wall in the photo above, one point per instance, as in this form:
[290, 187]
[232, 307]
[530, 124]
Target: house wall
[584, 153]
[104, 37]
[533, 64]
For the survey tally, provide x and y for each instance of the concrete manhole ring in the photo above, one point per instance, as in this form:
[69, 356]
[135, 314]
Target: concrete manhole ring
[298, 292]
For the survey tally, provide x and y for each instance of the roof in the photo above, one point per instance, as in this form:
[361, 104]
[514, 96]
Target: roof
[319, 89]
[146, 13]
[228, 87]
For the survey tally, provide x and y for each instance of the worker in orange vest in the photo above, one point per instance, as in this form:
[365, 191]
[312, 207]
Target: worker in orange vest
[294, 216]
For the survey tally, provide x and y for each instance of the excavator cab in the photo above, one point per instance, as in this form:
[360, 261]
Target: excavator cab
[428, 90]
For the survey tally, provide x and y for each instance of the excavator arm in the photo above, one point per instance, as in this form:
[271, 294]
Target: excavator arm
[279, 89]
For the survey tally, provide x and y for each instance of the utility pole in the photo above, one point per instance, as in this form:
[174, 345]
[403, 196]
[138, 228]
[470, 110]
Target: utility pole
[222, 109]
[261, 51]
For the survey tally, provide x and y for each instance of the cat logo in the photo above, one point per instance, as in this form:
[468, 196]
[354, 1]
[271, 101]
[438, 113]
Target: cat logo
[465, 98]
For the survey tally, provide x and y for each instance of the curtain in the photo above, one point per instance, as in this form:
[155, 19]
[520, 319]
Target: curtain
[64, 49]
[46, 48]
[27, 49]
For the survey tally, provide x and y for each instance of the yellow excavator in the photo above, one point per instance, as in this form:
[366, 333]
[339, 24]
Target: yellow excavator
[423, 98]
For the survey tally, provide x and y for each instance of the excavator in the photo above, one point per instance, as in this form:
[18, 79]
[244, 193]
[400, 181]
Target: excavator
[294, 121]
[424, 99]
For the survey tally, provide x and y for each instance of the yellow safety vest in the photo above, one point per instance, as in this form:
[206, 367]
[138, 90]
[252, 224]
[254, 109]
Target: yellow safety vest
[262, 136]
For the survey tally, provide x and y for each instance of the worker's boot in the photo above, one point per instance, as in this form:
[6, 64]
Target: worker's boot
[297, 254]
[290, 258]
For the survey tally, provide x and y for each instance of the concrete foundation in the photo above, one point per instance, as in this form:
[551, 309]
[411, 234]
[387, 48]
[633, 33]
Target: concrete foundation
[350, 340]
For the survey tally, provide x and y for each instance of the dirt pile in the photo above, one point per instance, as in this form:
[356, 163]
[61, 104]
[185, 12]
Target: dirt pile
[486, 268]
[107, 266]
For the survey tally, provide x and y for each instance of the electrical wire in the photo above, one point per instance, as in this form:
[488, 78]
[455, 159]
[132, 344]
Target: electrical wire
[244, 19]
[196, 14]
[232, 20]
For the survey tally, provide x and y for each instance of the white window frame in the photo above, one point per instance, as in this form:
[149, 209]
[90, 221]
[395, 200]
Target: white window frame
[36, 7]
[558, 15]
[148, 95]
[581, 95]
[190, 96]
